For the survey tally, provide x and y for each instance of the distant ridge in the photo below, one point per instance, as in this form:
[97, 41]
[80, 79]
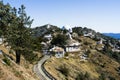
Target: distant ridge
[114, 35]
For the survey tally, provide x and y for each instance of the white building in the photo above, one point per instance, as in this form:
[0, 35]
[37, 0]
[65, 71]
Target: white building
[48, 26]
[1, 52]
[70, 30]
[1, 40]
[59, 52]
[83, 57]
[101, 41]
[45, 48]
[72, 46]
[89, 34]
[115, 50]
[48, 36]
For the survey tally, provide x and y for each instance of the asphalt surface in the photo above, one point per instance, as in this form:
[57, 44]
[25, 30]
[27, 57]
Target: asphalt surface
[38, 69]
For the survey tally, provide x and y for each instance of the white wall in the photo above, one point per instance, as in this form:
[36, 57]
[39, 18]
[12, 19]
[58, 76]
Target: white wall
[1, 40]
[72, 49]
[59, 54]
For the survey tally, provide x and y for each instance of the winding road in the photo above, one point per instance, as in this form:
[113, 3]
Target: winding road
[38, 69]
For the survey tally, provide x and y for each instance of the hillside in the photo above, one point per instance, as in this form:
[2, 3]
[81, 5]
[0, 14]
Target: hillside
[9, 70]
[98, 58]
[96, 66]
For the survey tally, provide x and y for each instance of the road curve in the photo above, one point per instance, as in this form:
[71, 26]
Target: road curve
[38, 69]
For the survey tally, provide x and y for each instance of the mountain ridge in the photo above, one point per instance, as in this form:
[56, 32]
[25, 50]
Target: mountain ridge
[114, 35]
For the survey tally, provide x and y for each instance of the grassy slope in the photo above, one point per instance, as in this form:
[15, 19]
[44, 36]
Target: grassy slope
[96, 64]
[15, 71]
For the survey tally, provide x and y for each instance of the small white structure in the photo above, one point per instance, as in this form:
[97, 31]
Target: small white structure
[115, 50]
[89, 34]
[44, 48]
[69, 35]
[48, 26]
[1, 52]
[72, 46]
[1, 40]
[83, 57]
[48, 36]
[119, 40]
[70, 30]
[59, 52]
[63, 28]
[111, 44]
[101, 41]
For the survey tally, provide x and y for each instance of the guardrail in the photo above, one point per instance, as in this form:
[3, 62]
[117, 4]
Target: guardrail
[47, 73]
[38, 73]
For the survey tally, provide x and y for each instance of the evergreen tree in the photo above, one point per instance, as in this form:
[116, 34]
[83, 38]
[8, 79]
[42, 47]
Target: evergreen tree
[59, 39]
[15, 28]
[19, 32]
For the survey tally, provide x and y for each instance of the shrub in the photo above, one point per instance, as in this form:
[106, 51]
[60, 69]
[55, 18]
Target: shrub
[82, 76]
[17, 73]
[66, 54]
[86, 43]
[59, 39]
[1, 73]
[87, 53]
[64, 70]
[111, 78]
[53, 53]
[7, 61]
[102, 77]
[10, 52]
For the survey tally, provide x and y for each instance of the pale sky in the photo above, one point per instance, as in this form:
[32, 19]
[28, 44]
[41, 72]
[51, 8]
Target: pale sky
[100, 15]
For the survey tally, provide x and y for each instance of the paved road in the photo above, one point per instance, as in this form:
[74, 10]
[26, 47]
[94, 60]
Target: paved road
[38, 69]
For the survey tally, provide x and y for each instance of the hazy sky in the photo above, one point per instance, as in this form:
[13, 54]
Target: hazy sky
[100, 15]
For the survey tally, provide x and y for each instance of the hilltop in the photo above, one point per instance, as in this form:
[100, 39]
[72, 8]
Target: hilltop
[45, 29]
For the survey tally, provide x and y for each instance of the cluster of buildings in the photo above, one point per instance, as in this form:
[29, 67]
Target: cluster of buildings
[71, 46]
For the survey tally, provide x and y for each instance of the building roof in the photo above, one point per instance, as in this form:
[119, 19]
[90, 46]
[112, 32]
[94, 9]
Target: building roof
[72, 42]
[48, 36]
[43, 43]
[57, 49]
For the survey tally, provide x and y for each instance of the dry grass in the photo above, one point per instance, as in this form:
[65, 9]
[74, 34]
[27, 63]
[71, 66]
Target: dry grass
[96, 64]
[75, 66]
[15, 71]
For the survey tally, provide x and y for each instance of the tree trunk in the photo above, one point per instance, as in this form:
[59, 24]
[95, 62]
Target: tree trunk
[18, 54]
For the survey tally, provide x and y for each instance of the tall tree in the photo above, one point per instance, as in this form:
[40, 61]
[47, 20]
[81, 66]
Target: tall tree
[15, 27]
[19, 32]
[59, 39]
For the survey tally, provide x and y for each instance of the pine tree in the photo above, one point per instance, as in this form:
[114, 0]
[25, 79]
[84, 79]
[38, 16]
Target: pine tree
[15, 27]
[19, 32]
